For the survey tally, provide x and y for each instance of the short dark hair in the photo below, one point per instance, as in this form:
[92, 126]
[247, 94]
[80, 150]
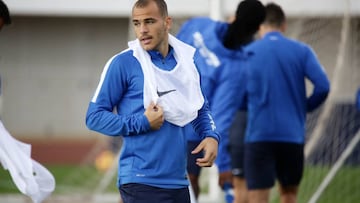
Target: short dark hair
[161, 4]
[4, 13]
[275, 16]
[248, 17]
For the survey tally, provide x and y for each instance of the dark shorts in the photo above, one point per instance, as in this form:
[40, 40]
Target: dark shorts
[265, 162]
[192, 167]
[236, 144]
[139, 193]
[237, 161]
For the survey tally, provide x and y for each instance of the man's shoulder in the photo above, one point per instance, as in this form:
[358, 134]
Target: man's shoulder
[124, 55]
[124, 58]
[290, 43]
[299, 47]
[127, 53]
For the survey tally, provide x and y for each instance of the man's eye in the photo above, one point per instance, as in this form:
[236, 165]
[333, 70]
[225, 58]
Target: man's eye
[136, 23]
[150, 22]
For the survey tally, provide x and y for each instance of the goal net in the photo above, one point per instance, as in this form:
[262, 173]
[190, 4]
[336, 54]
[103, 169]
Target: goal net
[332, 150]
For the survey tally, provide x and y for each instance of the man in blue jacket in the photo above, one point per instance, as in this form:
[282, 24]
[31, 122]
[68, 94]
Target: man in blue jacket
[277, 104]
[220, 47]
[154, 88]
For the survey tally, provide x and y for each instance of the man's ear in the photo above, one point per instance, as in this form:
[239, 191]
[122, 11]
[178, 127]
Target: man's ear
[168, 23]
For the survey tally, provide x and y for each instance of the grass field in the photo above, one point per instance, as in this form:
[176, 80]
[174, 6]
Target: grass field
[69, 179]
[343, 188]
[72, 179]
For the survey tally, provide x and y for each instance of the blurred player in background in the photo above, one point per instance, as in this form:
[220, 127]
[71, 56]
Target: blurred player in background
[277, 104]
[220, 47]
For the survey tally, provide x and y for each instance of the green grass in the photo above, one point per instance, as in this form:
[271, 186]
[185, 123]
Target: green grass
[69, 179]
[6, 184]
[343, 188]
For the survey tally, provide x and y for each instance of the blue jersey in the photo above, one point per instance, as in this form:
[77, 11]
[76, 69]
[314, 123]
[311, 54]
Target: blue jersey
[275, 88]
[156, 158]
[219, 70]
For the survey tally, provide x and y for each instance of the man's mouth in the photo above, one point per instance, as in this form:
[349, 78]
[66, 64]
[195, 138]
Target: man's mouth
[146, 40]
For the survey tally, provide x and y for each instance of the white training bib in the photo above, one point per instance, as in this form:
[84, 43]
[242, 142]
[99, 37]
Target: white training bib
[177, 91]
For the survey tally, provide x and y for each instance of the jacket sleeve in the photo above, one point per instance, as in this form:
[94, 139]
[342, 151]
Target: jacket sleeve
[317, 75]
[101, 115]
[204, 124]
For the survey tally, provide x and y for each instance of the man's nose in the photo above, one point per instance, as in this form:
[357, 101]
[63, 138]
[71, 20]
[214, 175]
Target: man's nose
[143, 28]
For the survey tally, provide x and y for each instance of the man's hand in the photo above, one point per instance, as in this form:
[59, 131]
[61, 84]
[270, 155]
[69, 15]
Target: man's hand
[210, 147]
[155, 116]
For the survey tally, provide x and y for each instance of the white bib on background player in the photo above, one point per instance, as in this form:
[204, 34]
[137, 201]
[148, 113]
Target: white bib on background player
[30, 177]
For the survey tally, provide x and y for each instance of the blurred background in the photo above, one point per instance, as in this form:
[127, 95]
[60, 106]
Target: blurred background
[53, 53]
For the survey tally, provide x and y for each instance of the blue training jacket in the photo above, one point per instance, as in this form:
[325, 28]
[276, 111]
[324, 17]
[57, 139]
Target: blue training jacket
[156, 158]
[276, 92]
[219, 69]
